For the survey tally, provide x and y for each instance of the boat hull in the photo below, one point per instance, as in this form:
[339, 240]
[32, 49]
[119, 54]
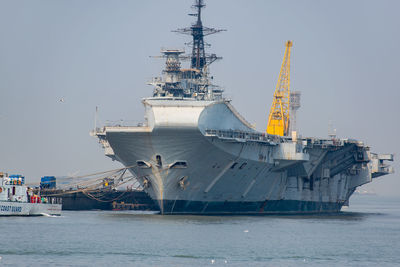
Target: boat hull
[250, 208]
[224, 177]
[194, 159]
[8, 208]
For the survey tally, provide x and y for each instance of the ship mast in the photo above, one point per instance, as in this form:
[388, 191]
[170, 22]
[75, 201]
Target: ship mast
[198, 54]
[199, 58]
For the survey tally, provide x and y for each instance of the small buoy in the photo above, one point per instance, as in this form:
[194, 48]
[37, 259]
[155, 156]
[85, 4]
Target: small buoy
[212, 261]
[225, 261]
[246, 231]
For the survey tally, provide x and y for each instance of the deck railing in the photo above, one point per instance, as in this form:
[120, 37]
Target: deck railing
[242, 135]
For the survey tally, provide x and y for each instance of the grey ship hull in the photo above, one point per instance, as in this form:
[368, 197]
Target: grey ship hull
[202, 157]
[250, 208]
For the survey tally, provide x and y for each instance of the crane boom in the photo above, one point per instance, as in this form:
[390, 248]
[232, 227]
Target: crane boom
[278, 120]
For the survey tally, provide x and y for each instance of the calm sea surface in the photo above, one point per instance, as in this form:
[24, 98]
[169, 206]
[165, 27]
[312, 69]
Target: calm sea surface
[366, 234]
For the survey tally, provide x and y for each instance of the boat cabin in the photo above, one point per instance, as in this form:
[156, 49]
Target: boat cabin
[13, 188]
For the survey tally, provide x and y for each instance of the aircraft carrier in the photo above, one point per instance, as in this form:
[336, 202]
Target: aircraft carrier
[195, 154]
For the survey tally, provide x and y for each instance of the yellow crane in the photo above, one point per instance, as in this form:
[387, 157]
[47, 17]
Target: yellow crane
[278, 120]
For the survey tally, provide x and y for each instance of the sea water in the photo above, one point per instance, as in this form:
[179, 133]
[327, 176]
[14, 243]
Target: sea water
[365, 234]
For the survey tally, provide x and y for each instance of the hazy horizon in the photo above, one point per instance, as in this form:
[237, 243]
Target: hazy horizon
[96, 53]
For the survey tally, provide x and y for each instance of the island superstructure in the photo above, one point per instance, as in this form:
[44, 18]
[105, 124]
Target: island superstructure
[195, 154]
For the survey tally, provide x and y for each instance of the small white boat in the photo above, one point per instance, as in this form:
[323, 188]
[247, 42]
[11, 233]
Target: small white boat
[17, 200]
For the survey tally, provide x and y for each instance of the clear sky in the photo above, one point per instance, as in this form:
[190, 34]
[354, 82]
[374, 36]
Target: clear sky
[345, 61]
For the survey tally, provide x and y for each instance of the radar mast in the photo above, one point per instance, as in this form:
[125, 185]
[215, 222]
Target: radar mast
[199, 59]
[194, 82]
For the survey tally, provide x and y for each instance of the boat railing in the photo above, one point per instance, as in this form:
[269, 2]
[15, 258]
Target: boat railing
[100, 131]
[124, 123]
[45, 200]
[243, 136]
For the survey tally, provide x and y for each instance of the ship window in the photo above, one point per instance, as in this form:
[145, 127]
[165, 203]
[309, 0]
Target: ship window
[143, 164]
[234, 165]
[158, 160]
[179, 165]
[243, 165]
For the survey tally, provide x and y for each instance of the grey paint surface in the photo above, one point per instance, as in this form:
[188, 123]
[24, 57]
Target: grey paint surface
[234, 173]
[96, 53]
